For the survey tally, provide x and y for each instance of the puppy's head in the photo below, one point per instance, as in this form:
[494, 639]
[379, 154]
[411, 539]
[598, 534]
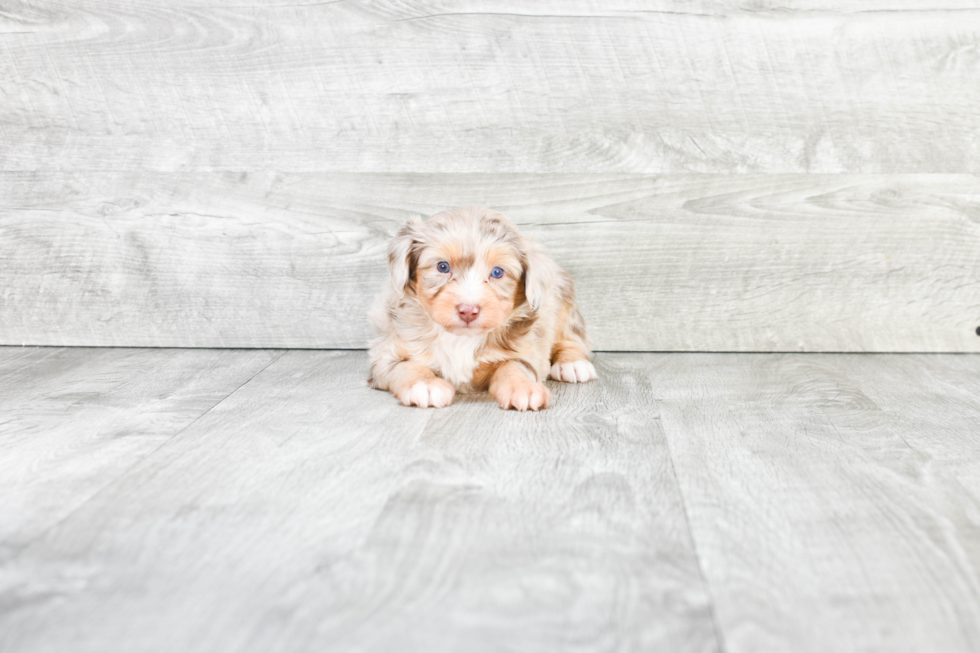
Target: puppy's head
[469, 268]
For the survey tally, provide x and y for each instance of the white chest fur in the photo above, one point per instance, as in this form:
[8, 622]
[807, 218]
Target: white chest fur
[454, 357]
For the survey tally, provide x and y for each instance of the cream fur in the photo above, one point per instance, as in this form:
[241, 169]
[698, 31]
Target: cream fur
[528, 324]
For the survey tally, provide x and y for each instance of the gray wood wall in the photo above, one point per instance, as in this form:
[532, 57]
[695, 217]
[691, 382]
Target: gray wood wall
[746, 176]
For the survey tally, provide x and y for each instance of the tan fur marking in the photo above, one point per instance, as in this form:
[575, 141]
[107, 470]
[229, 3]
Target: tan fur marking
[566, 351]
[482, 374]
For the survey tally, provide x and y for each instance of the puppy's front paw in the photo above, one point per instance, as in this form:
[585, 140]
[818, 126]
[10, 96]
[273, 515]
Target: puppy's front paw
[523, 395]
[574, 372]
[431, 393]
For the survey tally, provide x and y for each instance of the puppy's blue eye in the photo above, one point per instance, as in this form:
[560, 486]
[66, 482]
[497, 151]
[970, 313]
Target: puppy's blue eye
[443, 267]
[496, 273]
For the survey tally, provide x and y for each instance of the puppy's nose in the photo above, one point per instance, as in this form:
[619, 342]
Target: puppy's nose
[467, 312]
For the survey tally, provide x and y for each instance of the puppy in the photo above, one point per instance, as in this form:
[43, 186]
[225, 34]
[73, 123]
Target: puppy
[474, 306]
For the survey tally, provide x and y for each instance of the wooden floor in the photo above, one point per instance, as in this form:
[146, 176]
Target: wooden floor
[250, 500]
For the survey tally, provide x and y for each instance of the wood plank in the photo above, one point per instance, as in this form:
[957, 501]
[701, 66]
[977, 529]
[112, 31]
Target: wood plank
[309, 513]
[477, 86]
[76, 420]
[833, 499]
[670, 263]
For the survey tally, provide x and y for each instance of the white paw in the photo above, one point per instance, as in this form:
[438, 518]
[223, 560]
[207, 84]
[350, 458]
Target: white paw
[576, 372]
[523, 395]
[434, 393]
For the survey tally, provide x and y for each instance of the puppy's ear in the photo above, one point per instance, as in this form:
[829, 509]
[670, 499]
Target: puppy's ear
[540, 273]
[403, 253]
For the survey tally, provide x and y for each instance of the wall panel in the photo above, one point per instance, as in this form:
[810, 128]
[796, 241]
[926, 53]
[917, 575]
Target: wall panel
[677, 262]
[481, 86]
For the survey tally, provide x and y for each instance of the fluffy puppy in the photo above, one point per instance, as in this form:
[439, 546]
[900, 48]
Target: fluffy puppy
[474, 306]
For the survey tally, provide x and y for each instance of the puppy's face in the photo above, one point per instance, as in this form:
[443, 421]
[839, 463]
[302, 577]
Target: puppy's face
[468, 290]
[466, 269]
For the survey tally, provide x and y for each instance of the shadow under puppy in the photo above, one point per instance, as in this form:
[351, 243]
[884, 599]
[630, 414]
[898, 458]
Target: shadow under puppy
[473, 305]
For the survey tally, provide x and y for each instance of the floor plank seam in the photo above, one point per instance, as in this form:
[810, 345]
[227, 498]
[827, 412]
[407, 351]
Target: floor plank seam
[223, 399]
[719, 637]
[136, 464]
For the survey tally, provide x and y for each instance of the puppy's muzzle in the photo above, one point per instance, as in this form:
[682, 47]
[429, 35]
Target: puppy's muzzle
[467, 312]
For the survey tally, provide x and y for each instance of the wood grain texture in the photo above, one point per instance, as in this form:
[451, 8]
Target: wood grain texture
[309, 513]
[665, 263]
[478, 86]
[834, 500]
[73, 421]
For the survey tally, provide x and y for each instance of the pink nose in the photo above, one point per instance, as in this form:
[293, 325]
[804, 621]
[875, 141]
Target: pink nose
[467, 312]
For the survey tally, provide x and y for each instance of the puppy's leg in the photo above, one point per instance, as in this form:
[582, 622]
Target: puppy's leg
[514, 385]
[570, 363]
[416, 385]
[570, 354]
